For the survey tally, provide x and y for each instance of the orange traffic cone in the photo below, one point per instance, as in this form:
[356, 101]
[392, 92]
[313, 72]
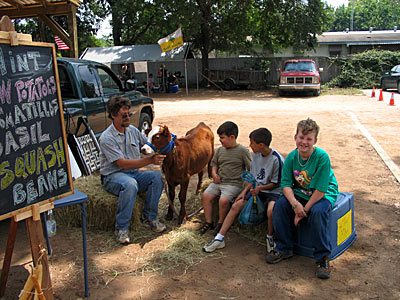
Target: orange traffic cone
[373, 93]
[392, 100]
[380, 96]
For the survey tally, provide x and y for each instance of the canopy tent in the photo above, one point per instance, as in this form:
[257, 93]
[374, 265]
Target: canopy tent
[137, 53]
[130, 54]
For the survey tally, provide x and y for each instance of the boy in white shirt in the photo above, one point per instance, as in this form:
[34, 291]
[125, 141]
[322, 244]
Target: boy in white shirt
[266, 167]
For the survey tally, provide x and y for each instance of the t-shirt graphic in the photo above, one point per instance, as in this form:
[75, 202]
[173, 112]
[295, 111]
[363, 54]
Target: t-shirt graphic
[261, 174]
[303, 180]
[267, 169]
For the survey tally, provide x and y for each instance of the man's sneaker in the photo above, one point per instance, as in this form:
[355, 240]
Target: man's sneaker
[213, 245]
[122, 236]
[155, 225]
[323, 268]
[270, 244]
[274, 257]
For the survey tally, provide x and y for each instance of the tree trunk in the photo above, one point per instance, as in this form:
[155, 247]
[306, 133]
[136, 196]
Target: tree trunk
[205, 37]
[116, 28]
[204, 65]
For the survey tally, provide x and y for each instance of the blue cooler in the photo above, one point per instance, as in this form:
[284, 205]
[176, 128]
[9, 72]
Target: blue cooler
[174, 88]
[341, 227]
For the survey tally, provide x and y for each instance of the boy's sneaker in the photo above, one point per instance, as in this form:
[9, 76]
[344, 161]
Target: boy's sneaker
[274, 257]
[213, 245]
[270, 244]
[323, 268]
[122, 236]
[155, 225]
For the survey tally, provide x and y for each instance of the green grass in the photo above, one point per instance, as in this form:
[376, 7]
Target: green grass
[340, 91]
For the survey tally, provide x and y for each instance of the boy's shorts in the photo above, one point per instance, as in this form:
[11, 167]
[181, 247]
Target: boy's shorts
[227, 191]
[264, 197]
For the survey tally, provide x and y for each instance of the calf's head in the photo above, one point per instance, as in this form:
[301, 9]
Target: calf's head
[159, 137]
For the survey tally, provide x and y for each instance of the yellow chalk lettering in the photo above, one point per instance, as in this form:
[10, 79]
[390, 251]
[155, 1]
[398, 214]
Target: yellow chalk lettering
[20, 168]
[9, 178]
[30, 161]
[49, 151]
[59, 151]
[40, 159]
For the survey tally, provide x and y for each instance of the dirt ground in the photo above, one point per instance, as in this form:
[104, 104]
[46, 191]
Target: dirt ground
[369, 269]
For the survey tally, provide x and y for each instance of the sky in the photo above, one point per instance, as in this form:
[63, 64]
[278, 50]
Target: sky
[105, 28]
[336, 3]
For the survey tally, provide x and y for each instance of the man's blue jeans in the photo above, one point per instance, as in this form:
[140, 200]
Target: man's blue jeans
[283, 220]
[126, 185]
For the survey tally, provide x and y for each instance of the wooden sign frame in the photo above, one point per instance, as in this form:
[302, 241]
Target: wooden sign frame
[14, 39]
[32, 211]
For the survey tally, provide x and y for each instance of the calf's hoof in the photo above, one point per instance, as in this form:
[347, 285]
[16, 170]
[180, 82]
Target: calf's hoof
[182, 220]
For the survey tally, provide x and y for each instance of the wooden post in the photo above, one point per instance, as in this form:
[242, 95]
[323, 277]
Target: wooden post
[20, 43]
[37, 241]
[8, 255]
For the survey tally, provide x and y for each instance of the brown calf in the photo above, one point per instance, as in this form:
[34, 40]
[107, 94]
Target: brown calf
[184, 157]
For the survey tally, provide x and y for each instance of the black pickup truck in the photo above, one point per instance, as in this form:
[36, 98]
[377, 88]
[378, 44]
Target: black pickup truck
[86, 86]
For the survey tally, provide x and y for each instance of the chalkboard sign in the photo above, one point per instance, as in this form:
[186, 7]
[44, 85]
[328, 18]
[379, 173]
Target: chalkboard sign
[34, 162]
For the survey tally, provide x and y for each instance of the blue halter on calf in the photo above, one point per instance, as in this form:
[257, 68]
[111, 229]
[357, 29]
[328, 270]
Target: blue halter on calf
[167, 148]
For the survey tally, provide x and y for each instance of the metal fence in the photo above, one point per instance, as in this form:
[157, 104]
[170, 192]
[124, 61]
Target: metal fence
[194, 68]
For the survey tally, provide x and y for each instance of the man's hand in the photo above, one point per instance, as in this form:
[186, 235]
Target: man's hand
[157, 159]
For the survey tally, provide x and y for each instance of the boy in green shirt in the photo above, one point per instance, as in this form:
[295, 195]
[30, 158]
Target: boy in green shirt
[309, 191]
[228, 164]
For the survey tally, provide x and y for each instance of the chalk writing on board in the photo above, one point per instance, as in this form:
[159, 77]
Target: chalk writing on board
[32, 152]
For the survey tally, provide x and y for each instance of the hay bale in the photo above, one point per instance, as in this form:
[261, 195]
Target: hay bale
[101, 209]
[101, 206]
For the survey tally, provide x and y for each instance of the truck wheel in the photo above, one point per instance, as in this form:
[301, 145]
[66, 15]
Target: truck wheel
[144, 122]
[317, 92]
[383, 87]
[281, 93]
[229, 84]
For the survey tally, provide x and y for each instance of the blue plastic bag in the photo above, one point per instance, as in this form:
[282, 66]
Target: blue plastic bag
[253, 212]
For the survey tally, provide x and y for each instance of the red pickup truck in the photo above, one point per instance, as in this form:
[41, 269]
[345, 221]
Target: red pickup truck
[299, 75]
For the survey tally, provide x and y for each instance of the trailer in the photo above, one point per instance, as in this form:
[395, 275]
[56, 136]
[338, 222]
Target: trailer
[231, 79]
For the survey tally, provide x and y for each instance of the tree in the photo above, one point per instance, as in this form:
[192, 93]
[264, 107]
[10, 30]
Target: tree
[378, 14]
[341, 19]
[280, 24]
[136, 21]
[211, 24]
[207, 24]
[226, 25]
[221, 25]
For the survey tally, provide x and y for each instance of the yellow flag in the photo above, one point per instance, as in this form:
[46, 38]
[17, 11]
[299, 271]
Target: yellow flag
[171, 41]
